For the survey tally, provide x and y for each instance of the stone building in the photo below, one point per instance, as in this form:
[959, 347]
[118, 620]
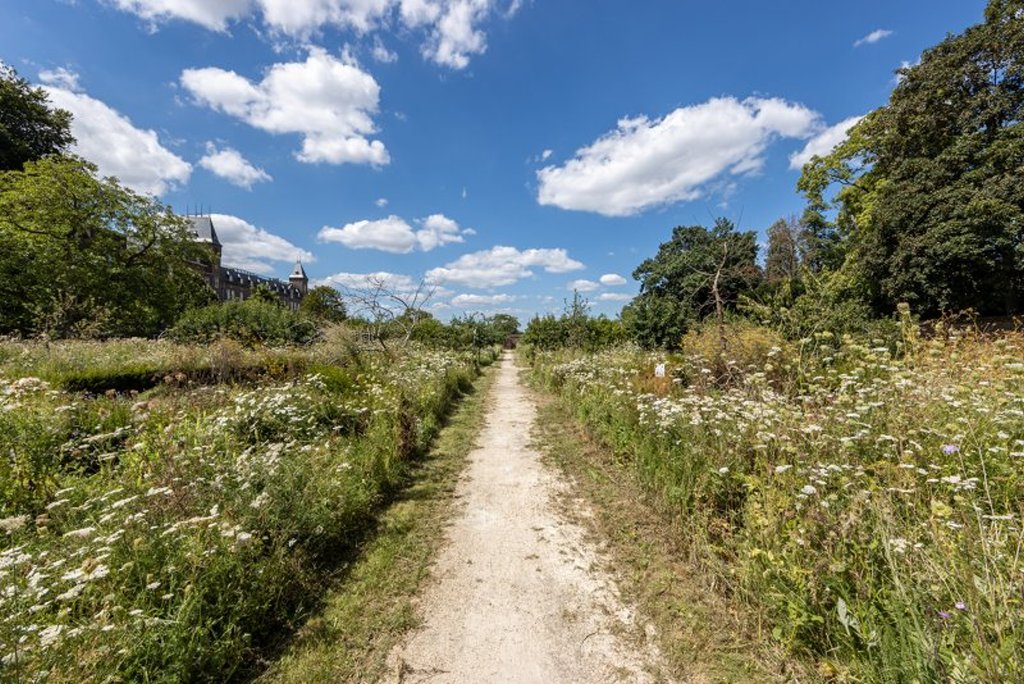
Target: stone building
[236, 283]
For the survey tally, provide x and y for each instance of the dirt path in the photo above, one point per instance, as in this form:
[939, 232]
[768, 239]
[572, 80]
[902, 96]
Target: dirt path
[517, 595]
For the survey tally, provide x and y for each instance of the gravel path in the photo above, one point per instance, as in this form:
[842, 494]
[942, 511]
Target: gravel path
[517, 594]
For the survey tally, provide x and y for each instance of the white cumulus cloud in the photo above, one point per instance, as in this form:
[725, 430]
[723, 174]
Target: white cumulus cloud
[61, 77]
[823, 143]
[612, 279]
[110, 140]
[646, 163]
[385, 284]
[437, 230]
[399, 282]
[873, 37]
[252, 248]
[468, 300]
[300, 18]
[451, 30]
[456, 35]
[502, 265]
[393, 234]
[583, 285]
[212, 14]
[230, 165]
[613, 297]
[328, 101]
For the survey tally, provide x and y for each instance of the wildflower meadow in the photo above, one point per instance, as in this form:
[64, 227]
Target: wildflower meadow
[862, 498]
[172, 534]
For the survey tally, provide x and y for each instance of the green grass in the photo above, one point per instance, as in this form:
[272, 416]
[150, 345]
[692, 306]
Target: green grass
[369, 607]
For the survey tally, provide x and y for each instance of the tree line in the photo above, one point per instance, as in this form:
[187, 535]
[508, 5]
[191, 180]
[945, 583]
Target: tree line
[921, 208]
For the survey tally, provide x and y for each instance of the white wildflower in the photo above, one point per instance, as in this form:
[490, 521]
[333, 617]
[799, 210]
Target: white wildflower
[50, 635]
[13, 524]
[72, 593]
[99, 572]
[899, 545]
[122, 502]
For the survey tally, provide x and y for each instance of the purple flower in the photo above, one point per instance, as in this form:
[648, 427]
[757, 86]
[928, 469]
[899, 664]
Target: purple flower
[960, 605]
[950, 449]
[945, 614]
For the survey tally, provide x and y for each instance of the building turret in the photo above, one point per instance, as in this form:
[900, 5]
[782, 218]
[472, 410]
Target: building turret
[298, 279]
[203, 231]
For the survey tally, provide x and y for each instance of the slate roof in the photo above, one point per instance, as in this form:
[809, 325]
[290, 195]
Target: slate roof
[298, 271]
[248, 279]
[202, 228]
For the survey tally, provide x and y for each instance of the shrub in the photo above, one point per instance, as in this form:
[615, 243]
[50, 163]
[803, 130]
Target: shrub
[736, 348]
[250, 322]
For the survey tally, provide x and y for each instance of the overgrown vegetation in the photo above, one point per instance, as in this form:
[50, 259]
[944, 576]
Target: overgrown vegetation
[575, 328]
[87, 257]
[865, 500]
[253, 321]
[700, 632]
[368, 611]
[170, 535]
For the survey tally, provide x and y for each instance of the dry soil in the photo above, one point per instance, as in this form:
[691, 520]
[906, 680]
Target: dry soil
[518, 591]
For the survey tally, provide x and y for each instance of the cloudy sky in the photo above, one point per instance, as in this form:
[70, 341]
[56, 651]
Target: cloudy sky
[507, 151]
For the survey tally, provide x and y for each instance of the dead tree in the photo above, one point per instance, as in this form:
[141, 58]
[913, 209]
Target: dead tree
[390, 310]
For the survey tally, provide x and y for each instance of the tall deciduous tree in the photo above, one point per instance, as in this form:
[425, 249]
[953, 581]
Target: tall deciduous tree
[29, 127]
[782, 260]
[82, 253]
[699, 272]
[323, 303]
[931, 186]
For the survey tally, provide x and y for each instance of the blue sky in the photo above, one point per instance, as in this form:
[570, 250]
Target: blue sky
[504, 150]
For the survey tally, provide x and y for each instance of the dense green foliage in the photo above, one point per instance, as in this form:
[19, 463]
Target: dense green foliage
[323, 304]
[85, 256]
[931, 186]
[782, 257]
[252, 321]
[29, 128]
[469, 331]
[697, 273]
[171, 535]
[575, 328]
[866, 505]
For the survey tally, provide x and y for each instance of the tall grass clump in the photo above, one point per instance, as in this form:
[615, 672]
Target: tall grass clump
[173, 535]
[868, 505]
